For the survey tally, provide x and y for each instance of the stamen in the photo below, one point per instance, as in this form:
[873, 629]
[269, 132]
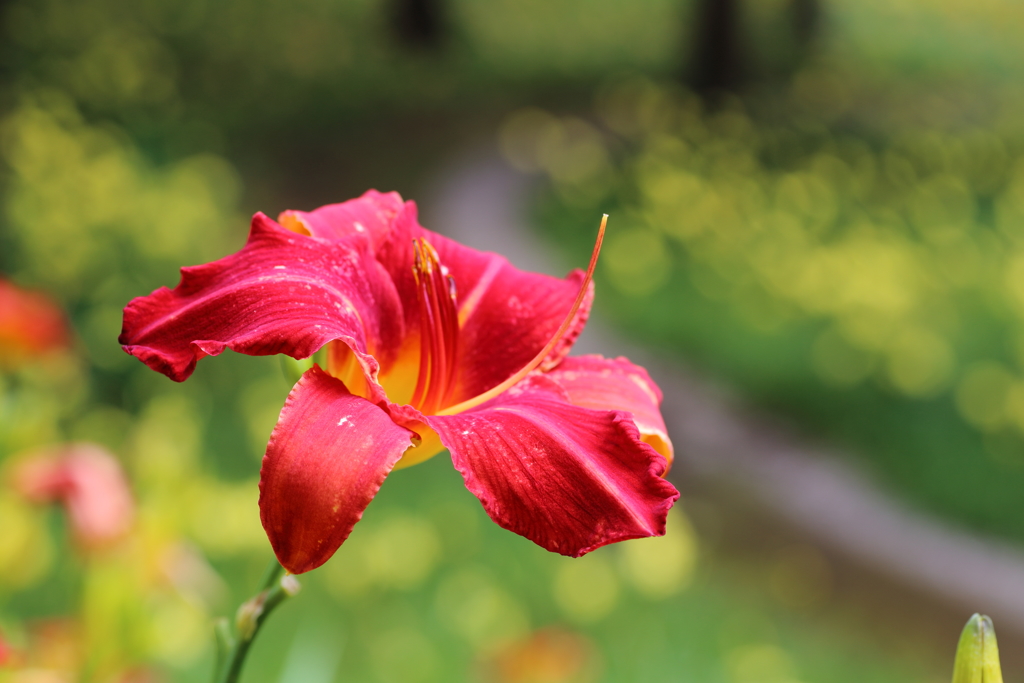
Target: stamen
[421, 380]
[439, 328]
[539, 358]
[452, 325]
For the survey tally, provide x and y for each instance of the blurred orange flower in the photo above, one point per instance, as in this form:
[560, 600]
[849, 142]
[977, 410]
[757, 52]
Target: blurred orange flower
[6, 652]
[549, 655]
[30, 324]
[57, 652]
[54, 648]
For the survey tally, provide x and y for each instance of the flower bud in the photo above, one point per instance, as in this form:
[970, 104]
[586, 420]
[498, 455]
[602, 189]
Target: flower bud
[248, 616]
[290, 585]
[977, 654]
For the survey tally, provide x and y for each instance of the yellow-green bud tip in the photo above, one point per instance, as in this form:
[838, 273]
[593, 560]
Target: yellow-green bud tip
[977, 654]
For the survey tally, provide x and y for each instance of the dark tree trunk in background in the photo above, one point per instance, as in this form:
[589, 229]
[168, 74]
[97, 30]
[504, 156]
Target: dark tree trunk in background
[806, 23]
[716, 62]
[6, 71]
[720, 61]
[418, 24]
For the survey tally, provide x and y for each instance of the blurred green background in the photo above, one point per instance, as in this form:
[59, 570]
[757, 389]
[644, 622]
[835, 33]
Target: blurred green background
[818, 202]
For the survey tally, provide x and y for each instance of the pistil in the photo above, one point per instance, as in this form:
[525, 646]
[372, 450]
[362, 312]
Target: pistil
[552, 343]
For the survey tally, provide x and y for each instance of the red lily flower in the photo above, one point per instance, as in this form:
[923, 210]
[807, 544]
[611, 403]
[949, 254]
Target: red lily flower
[431, 345]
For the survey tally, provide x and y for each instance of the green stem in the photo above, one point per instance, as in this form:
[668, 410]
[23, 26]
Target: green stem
[232, 650]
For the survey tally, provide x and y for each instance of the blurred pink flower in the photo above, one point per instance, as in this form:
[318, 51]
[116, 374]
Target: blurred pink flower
[30, 324]
[88, 481]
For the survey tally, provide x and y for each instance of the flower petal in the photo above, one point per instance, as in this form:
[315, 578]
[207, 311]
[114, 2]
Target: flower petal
[616, 384]
[570, 479]
[372, 215]
[506, 315]
[326, 460]
[282, 293]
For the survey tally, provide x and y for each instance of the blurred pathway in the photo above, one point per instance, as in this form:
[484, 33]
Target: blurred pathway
[481, 201]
